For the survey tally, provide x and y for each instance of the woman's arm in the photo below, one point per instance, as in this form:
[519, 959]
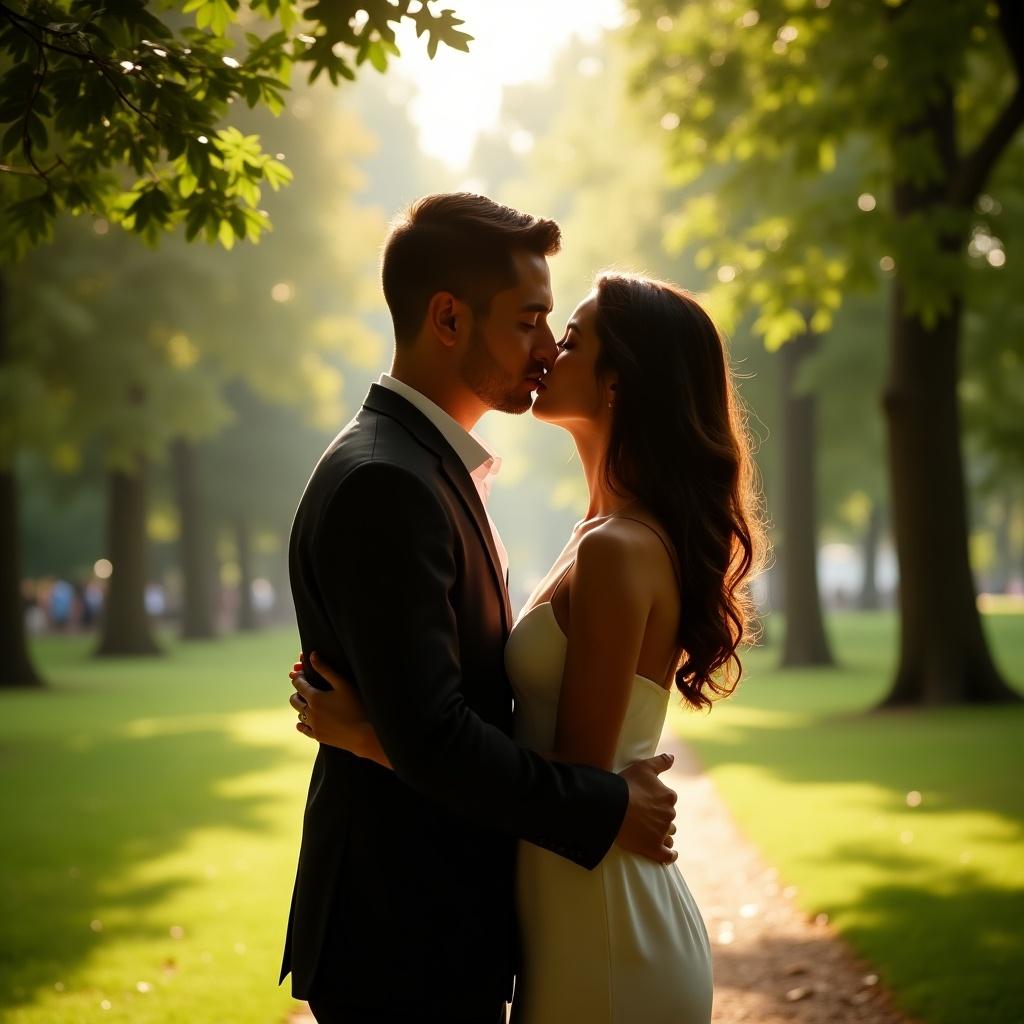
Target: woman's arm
[610, 604]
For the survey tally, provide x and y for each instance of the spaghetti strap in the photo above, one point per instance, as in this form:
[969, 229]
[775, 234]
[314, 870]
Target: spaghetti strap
[558, 582]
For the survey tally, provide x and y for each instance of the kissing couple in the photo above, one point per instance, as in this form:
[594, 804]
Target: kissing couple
[485, 805]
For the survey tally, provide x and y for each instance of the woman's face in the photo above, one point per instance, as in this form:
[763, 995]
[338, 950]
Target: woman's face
[571, 391]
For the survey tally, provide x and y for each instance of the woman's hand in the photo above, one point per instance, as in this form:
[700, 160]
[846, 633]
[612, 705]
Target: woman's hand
[336, 716]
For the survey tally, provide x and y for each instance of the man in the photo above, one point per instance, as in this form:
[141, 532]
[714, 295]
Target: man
[403, 903]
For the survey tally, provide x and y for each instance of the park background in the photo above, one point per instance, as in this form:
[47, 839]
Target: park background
[185, 325]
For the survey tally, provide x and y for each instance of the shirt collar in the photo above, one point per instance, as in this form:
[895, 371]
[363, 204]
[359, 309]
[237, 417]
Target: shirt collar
[478, 459]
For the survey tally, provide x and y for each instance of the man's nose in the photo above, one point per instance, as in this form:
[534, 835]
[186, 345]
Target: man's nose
[546, 348]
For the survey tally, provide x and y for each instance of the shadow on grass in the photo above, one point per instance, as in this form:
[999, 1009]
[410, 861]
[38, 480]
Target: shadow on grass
[959, 759]
[934, 972]
[954, 954]
[83, 813]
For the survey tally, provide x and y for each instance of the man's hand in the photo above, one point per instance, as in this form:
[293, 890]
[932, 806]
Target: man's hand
[649, 824]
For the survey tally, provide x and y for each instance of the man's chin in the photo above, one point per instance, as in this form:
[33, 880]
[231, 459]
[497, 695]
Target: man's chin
[514, 405]
[502, 398]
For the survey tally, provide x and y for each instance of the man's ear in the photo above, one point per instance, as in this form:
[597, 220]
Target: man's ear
[443, 315]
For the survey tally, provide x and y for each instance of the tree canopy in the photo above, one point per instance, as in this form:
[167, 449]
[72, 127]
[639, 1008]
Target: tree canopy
[111, 108]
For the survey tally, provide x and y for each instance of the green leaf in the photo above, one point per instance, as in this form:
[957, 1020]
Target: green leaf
[187, 183]
[195, 221]
[12, 138]
[276, 174]
[226, 234]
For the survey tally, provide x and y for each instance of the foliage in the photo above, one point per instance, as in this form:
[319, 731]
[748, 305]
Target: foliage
[134, 347]
[992, 391]
[101, 331]
[811, 113]
[113, 110]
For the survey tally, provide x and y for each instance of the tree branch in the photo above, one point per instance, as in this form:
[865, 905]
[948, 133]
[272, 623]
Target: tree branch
[1011, 24]
[67, 33]
[976, 166]
[974, 169]
[11, 169]
[87, 56]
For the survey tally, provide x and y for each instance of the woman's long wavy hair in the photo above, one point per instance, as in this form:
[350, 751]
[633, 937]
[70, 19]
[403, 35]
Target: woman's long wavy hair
[679, 442]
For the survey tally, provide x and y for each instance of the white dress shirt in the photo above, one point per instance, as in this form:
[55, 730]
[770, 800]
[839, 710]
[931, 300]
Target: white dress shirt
[483, 464]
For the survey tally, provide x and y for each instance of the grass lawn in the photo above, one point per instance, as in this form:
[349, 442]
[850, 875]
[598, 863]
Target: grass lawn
[906, 828]
[151, 812]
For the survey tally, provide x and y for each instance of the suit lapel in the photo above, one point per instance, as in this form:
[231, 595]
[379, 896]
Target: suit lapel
[455, 472]
[386, 402]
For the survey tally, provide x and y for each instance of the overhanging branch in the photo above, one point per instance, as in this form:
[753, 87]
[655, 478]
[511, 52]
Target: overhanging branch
[1011, 25]
[975, 168]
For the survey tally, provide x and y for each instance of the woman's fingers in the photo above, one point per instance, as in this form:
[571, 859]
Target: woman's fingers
[302, 685]
[300, 699]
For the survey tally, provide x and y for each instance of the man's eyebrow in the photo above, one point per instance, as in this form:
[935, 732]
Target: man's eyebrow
[536, 307]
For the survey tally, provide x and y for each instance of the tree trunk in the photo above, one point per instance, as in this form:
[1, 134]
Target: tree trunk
[198, 561]
[944, 657]
[126, 626]
[869, 599]
[805, 642]
[247, 621]
[16, 668]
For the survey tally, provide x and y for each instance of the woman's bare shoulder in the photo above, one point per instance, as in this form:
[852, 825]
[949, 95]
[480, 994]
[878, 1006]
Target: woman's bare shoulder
[628, 549]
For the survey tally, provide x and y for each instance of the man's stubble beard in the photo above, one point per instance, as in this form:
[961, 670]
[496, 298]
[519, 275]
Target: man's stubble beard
[485, 378]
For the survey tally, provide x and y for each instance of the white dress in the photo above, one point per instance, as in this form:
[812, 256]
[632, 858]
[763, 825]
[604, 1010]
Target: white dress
[621, 944]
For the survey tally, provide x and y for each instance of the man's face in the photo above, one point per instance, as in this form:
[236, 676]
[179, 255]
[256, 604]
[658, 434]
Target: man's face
[512, 346]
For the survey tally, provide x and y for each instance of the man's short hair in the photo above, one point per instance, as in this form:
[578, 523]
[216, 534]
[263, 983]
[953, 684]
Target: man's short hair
[456, 242]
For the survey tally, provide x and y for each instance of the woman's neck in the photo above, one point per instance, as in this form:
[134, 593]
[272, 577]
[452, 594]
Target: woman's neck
[604, 500]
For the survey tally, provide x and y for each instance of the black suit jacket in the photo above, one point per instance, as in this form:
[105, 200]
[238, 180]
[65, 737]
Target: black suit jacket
[404, 892]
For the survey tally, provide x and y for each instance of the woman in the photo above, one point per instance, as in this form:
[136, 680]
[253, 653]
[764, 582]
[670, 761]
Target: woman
[650, 590]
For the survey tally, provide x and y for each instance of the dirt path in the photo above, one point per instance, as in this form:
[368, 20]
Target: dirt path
[772, 964]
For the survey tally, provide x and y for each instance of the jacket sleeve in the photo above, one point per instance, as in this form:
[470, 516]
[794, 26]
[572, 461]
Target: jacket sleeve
[384, 566]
